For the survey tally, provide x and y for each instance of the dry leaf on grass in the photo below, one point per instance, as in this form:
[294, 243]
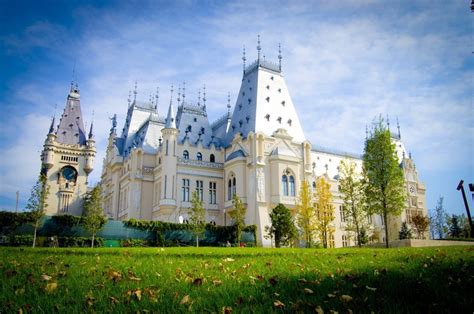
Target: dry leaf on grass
[308, 291]
[319, 310]
[50, 287]
[278, 304]
[185, 299]
[226, 310]
[45, 277]
[229, 259]
[346, 298]
[216, 282]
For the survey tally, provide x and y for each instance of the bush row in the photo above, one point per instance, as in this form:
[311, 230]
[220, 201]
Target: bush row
[27, 240]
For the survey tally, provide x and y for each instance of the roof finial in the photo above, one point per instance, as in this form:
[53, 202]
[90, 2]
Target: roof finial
[244, 58]
[279, 56]
[258, 47]
[170, 121]
[388, 123]
[92, 125]
[114, 123]
[179, 94]
[51, 128]
[199, 98]
[171, 94]
[73, 78]
[398, 127]
[135, 93]
[129, 97]
[204, 98]
[157, 96]
[366, 132]
[228, 104]
[184, 90]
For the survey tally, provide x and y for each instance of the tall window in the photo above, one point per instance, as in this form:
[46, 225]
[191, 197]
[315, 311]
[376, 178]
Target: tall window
[199, 189]
[185, 190]
[314, 186]
[292, 186]
[341, 212]
[167, 142]
[199, 156]
[331, 241]
[284, 183]
[212, 158]
[231, 187]
[345, 241]
[369, 219]
[212, 193]
[186, 154]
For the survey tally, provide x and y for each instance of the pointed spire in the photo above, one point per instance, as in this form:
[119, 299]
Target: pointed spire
[199, 98]
[157, 96]
[259, 48]
[91, 135]
[388, 123]
[135, 93]
[228, 105]
[179, 94]
[279, 56]
[244, 58]
[51, 128]
[114, 123]
[204, 98]
[170, 122]
[398, 127]
[129, 98]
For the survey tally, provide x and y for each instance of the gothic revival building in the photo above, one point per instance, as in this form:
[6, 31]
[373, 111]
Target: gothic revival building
[68, 158]
[258, 151]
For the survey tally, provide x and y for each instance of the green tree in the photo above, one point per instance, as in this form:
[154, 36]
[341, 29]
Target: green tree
[440, 223]
[283, 226]
[305, 213]
[384, 183]
[405, 232]
[238, 215]
[37, 203]
[197, 217]
[352, 192]
[454, 228]
[324, 211]
[421, 224]
[93, 219]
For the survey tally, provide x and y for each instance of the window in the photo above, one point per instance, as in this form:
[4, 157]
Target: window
[268, 86]
[167, 147]
[279, 120]
[185, 190]
[292, 186]
[283, 103]
[212, 193]
[189, 128]
[186, 154]
[279, 90]
[267, 116]
[369, 219]
[240, 123]
[289, 122]
[199, 189]
[195, 119]
[240, 107]
[199, 156]
[231, 187]
[212, 158]
[331, 241]
[284, 183]
[341, 212]
[345, 241]
[267, 99]
[314, 186]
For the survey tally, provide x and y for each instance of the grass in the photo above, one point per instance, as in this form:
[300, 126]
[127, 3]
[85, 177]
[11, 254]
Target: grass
[174, 280]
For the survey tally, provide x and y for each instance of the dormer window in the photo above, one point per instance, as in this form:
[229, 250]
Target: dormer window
[279, 120]
[240, 106]
[202, 130]
[195, 119]
[283, 103]
[267, 117]
[189, 128]
[279, 90]
[267, 99]
[240, 123]
[289, 122]
[233, 127]
[243, 93]
[272, 78]
[268, 86]
[247, 118]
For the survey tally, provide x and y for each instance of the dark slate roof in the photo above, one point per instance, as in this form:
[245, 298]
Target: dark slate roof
[193, 125]
[236, 154]
[71, 127]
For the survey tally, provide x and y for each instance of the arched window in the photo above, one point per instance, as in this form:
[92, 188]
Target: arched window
[231, 187]
[314, 186]
[186, 154]
[199, 156]
[234, 187]
[292, 186]
[229, 190]
[284, 183]
[212, 158]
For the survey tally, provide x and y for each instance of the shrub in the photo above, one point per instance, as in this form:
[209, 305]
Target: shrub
[135, 243]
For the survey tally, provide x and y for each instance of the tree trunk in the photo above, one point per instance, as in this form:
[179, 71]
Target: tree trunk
[197, 241]
[34, 236]
[92, 244]
[386, 226]
[358, 235]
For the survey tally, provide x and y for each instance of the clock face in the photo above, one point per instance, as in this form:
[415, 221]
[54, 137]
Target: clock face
[412, 189]
[69, 174]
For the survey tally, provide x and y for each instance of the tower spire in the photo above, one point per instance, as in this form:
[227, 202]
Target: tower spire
[228, 104]
[279, 56]
[244, 58]
[204, 98]
[184, 90]
[388, 123]
[398, 127]
[179, 94]
[51, 128]
[170, 122]
[157, 96]
[92, 126]
[259, 48]
[199, 98]
[129, 97]
[135, 93]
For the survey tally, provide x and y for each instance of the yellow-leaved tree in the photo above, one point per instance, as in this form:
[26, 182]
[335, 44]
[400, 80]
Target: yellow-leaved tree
[324, 211]
[305, 213]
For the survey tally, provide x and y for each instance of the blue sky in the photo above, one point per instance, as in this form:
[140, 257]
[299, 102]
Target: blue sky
[345, 62]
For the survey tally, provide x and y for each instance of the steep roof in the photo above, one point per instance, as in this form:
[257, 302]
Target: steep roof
[71, 127]
[193, 124]
[264, 103]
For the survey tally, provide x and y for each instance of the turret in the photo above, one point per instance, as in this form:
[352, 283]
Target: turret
[90, 151]
[48, 151]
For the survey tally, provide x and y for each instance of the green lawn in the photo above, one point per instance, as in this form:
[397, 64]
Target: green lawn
[173, 280]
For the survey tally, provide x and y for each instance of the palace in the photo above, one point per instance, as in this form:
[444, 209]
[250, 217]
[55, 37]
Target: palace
[258, 151]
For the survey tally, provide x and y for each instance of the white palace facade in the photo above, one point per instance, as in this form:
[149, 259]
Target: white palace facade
[258, 151]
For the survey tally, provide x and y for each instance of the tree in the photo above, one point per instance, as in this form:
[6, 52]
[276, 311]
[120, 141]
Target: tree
[464, 225]
[283, 226]
[454, 228]
[421, 224]
[324, 211]
[439, 222]
[93, 219]
[305, 213]
[353, 197]
[238, 215]
[37, 203]
[198, 216]
[405, 232]
[384, 184]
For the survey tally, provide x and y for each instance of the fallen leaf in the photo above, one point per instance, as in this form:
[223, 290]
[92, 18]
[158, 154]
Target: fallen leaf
[302, 280]
[308, 291]
[132, 278]
[346, 298]
[370, 288]
[229, 259]
[45, 277]
[278, 304]
[217, 282]
[185, 299]
[62, 273]
[114, 275]
[260, 278]
[319, 310]
[330, 295]
[20, 291]
[226, 310]
[197, 282]
[114, 300]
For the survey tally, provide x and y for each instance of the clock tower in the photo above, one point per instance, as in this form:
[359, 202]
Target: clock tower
[67, 159]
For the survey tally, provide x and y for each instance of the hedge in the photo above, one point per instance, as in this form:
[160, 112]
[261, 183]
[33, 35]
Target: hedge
[27, 240]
